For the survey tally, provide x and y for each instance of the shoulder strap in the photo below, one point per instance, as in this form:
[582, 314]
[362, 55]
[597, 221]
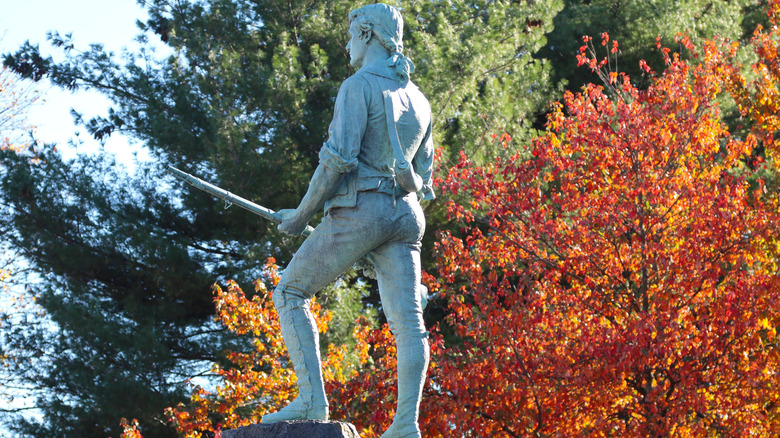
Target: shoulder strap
[387, 96]
[393, 130]
[405, 175]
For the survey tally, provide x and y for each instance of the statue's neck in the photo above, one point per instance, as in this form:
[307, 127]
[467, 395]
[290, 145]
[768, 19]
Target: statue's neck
[375, 54]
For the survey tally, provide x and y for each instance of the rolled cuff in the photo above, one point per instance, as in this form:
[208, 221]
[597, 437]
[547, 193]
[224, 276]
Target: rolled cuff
[330, 158]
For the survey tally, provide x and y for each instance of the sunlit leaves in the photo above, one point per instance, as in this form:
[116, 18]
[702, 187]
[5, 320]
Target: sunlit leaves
[261, 380]
[130, 429]
[616, 282]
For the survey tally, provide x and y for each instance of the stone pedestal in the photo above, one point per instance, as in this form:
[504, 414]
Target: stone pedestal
[295, 429]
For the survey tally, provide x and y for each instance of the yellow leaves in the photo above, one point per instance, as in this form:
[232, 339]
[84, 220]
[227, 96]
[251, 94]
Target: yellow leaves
[4, 276]
[555, 141]
[771, 330]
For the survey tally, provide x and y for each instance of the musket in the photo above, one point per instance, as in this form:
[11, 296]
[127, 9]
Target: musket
[230, 198]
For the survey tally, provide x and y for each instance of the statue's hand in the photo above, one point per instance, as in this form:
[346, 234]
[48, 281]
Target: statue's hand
[291, 223]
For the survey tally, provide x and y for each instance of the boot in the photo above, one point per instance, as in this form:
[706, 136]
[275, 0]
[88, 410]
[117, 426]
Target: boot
[413, 357]
[302, 340]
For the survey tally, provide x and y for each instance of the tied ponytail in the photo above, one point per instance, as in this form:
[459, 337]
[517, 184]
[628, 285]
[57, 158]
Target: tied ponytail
[403, 66]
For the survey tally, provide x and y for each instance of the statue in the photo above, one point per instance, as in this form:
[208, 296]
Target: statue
[375, 165]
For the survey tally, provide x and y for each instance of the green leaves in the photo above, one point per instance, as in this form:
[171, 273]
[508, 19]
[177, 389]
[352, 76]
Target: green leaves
[475, 64]
[636, 25]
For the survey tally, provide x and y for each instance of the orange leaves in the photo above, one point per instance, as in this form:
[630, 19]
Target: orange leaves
[617, 281]
[605, 41]
[606, 68]
[504, 139]
[130, 429]
[360, 382]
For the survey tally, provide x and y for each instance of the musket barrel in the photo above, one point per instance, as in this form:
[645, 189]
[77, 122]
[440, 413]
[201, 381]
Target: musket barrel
[230, 197]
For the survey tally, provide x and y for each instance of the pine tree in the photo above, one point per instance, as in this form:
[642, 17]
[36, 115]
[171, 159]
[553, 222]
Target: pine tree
[477, 66]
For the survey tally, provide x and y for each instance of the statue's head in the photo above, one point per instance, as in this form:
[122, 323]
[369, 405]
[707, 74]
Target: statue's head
[385, 25]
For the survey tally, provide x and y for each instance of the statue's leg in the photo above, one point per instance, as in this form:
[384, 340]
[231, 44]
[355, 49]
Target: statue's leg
[398, 272]
[413, 355]
[314, 265]
[299, 331]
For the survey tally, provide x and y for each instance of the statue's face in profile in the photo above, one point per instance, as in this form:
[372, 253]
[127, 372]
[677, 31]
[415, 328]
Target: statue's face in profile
[357, 46]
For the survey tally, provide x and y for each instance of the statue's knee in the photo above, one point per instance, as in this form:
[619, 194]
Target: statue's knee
[286, 296]
[278, 298]
[405, 321]
[408, 329]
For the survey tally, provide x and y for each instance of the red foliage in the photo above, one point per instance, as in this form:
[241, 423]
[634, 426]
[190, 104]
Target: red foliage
[613, 278]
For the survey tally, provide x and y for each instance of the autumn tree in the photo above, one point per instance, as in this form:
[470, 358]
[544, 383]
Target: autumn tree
[613, 279]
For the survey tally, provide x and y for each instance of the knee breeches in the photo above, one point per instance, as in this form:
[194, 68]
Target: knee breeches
[390, 231]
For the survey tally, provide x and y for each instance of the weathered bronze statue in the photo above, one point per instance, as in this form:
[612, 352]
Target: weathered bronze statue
[375, 165]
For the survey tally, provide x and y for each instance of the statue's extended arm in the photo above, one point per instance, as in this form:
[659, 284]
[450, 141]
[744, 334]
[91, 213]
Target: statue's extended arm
[323, 185]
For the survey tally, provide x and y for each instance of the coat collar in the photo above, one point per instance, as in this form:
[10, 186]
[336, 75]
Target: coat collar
[379, 69]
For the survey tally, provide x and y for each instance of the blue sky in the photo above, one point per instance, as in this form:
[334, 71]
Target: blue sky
[111, 23]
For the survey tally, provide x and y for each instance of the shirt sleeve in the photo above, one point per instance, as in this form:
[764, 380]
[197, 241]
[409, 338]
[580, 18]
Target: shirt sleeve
[423, 164]
[345, 134]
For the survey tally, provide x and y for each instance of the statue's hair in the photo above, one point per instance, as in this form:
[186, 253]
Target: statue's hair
[386, 25]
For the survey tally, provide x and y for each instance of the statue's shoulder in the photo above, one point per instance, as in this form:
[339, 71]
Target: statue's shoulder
[358, 81]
